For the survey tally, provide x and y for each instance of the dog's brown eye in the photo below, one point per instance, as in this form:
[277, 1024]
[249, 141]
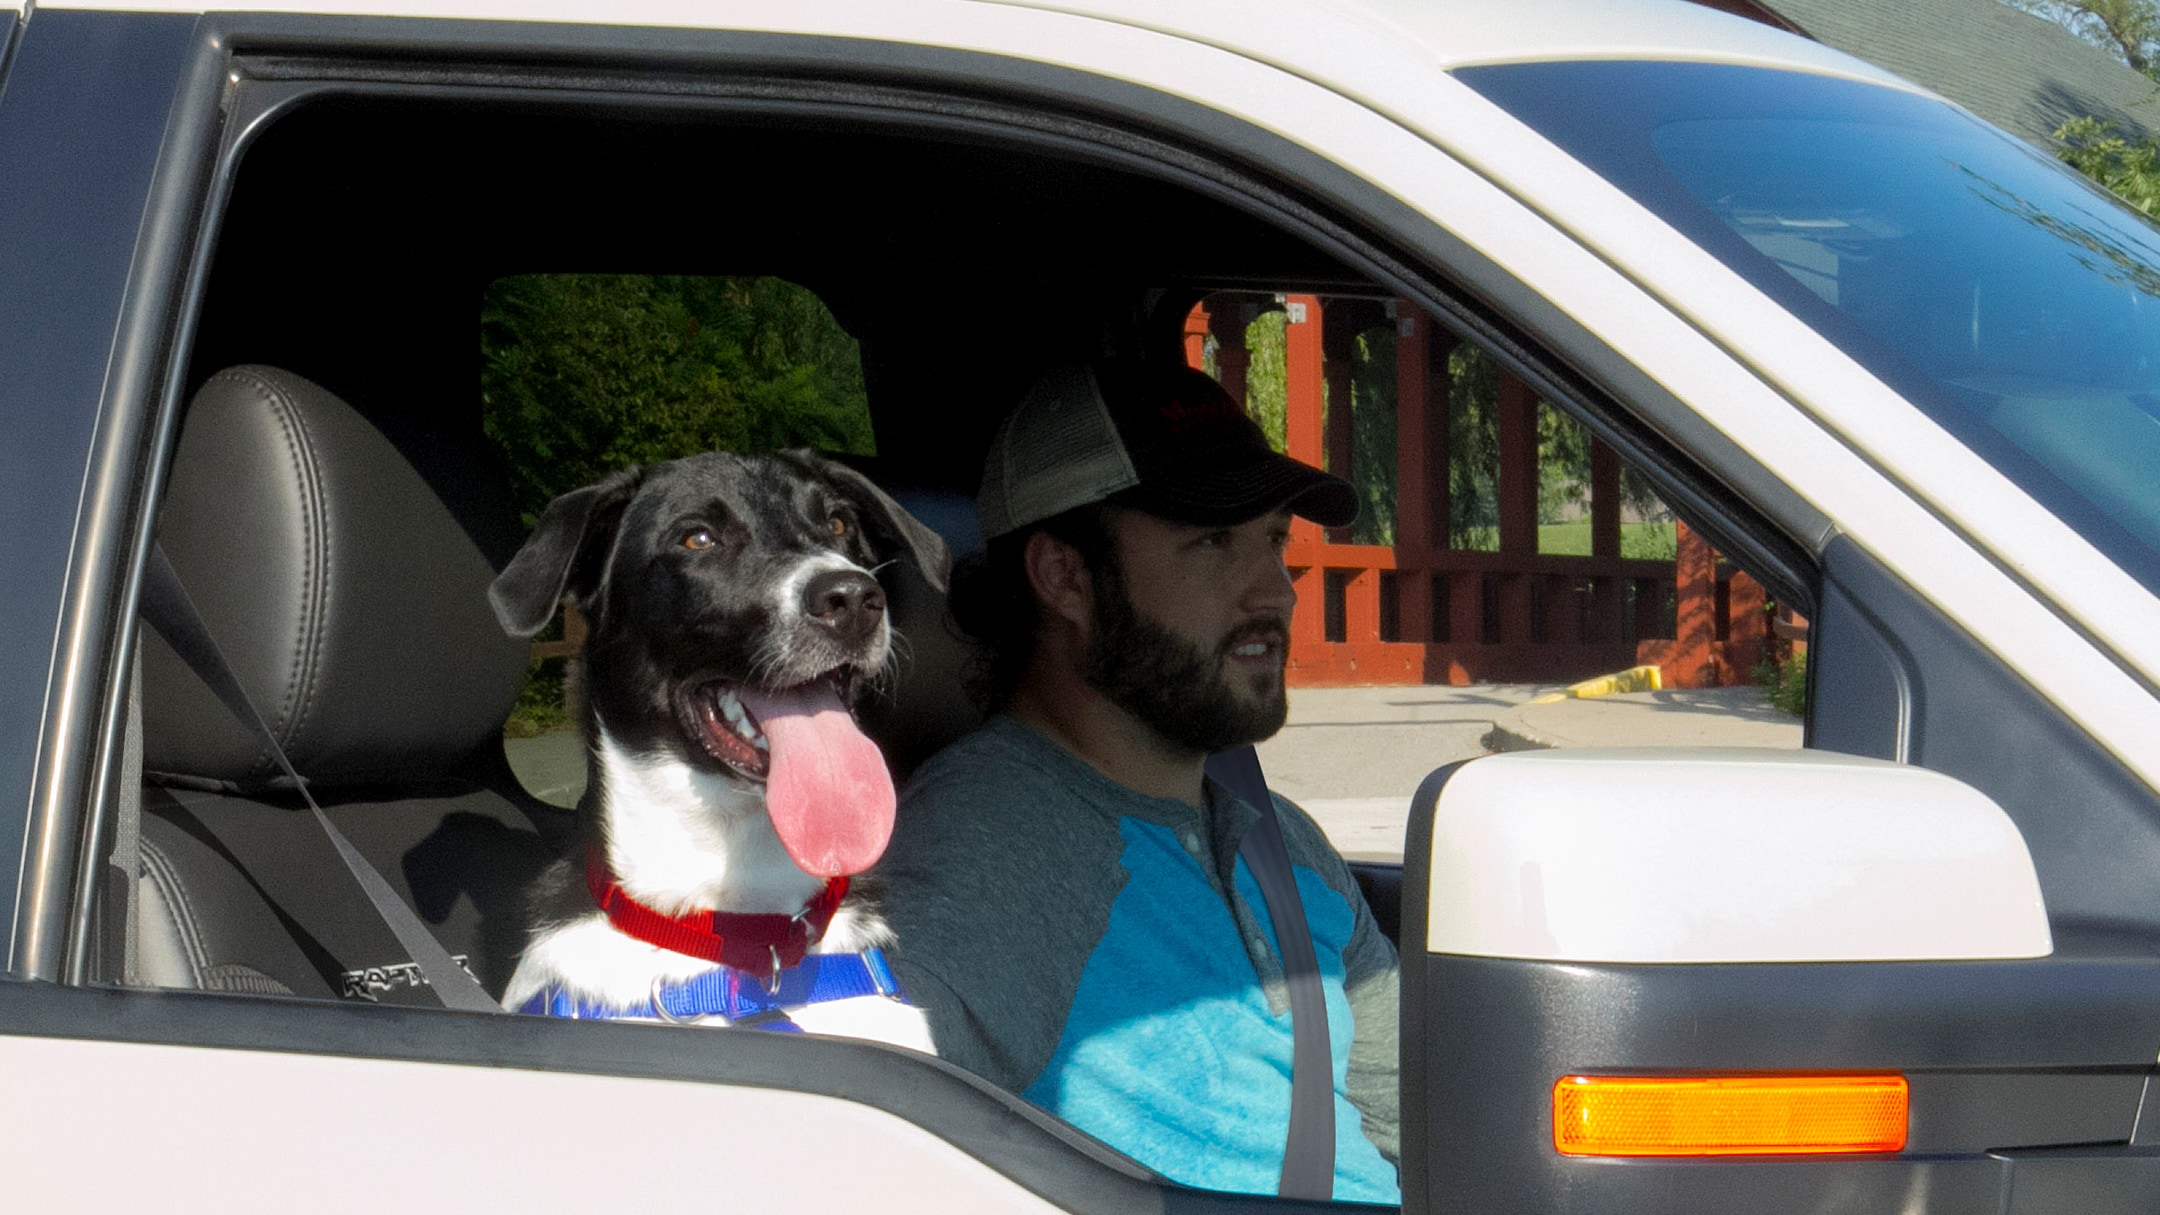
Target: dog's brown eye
[837, 526]
[697, 541]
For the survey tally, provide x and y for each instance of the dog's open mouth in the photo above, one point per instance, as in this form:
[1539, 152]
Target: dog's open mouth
[726, 730]
[826, 786]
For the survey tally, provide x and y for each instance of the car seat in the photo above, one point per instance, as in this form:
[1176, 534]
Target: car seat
[347, 589]
[923, 703]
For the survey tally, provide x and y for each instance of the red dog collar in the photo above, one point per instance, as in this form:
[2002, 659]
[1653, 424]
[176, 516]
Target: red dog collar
[760, 944]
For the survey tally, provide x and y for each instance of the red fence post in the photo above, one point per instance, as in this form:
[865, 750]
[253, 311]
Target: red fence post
[1338, 345]
[1695, 608]
[1232, 360]
[1196, 336]
[1747, 637]
[1604, 500]
[1606, 594]
[1301, 380]
[1413, 494]
[1361, 607]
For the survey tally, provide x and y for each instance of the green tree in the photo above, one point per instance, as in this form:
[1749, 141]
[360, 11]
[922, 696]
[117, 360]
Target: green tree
[1267, 385]
[582, 374]
[2130, 168]
[2129, 29]
[1373, 463]
[1473, 449]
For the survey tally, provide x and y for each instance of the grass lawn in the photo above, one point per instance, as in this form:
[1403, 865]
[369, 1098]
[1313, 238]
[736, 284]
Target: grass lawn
[1649, 541]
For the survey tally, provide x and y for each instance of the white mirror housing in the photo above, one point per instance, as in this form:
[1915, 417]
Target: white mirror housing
[1724, 855]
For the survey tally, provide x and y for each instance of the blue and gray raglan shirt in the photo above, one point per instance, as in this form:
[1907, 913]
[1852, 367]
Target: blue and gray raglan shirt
[1107, 955]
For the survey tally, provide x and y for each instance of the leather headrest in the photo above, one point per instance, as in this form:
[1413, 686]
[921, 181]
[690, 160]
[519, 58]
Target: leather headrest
[926, 704]
[349, 600]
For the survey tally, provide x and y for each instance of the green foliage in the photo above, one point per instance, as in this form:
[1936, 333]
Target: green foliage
[1563, 466]
[2127, 29]
[1473, 449]
[1373, 464]
[1657, 541]
[583, 374]
[2130, 168]
[1267, 383]
[1638, 541]
[540, 702]
[1786, 682]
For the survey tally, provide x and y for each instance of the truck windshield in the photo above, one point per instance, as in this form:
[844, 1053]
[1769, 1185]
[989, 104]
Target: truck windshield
[1995, 289]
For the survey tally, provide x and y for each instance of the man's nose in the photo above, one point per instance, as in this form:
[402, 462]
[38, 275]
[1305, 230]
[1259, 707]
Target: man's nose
[1270, 589]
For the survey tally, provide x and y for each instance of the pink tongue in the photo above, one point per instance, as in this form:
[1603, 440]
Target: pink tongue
[827, 790]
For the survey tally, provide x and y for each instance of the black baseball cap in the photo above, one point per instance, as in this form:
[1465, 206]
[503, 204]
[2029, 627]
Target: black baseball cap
[1164, 439]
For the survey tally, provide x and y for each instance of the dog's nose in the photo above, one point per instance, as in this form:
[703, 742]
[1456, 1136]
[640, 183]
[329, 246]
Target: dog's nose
[849, 602]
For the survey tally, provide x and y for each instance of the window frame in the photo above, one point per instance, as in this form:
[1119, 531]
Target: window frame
[258, 67]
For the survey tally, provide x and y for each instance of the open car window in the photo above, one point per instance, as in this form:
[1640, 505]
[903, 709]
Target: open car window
[884, 294]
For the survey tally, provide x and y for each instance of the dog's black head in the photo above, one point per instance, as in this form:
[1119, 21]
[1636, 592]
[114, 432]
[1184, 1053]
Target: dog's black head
[719, 590]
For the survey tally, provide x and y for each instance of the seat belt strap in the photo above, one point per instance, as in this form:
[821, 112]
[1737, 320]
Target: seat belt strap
[118, 956]
[1308, 1169]
[168, 608]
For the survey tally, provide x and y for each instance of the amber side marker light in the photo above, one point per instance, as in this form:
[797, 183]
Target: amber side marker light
[1728, 1115]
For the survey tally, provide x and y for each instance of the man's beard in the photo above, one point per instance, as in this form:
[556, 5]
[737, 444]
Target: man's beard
[1172, 685]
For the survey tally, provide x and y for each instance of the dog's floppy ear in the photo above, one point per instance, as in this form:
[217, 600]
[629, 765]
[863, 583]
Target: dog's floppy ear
[883, 514]
[573, 538]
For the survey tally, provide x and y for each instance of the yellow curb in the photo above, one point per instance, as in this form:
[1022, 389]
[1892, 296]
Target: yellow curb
[1646, 678]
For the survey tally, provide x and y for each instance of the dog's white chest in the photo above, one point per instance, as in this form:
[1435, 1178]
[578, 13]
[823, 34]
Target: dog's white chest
[874, 1017]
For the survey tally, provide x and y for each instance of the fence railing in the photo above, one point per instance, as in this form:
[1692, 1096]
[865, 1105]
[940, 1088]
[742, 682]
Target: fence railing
[1419, 611]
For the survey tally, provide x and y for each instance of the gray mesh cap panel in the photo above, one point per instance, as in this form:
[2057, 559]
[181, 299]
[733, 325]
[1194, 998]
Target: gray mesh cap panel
[1057, 450]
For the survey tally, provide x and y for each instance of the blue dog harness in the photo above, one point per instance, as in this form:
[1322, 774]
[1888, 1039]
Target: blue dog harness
[738, 996]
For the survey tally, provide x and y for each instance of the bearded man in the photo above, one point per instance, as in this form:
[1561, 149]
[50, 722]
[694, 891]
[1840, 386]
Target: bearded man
[1065, 884]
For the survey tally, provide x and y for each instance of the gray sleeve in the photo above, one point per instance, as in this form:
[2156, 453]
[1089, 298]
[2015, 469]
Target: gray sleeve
[959, 1035]
[1370, 979]
[1374, 985]
[982, 888]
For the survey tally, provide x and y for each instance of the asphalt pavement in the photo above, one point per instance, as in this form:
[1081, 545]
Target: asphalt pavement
[1353, 756]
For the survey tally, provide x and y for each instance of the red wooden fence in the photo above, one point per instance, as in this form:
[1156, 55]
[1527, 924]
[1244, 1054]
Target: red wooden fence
[1421, 612]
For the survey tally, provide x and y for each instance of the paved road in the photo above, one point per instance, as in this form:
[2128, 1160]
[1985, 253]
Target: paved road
[1356, 779]
[1353, 756]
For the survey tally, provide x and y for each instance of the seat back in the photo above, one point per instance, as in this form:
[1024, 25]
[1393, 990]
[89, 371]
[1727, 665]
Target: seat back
[924, 704]
[349, 596]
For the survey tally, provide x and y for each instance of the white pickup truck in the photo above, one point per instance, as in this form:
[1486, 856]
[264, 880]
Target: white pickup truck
[1900, 367]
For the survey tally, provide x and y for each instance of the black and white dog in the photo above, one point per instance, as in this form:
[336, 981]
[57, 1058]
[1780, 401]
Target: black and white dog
[734, 619]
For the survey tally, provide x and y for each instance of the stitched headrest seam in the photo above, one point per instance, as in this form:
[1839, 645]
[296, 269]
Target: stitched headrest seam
[297, 698]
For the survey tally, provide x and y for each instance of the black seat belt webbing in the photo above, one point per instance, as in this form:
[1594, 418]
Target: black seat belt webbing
[1308, 1169]
[118, 954]
[168, 608]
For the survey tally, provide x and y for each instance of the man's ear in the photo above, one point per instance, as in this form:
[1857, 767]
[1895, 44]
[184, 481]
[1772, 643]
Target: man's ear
[1059, 576]
[564, 554]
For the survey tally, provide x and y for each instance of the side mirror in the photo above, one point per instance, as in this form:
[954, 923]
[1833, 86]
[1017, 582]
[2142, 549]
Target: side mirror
[1688, 913]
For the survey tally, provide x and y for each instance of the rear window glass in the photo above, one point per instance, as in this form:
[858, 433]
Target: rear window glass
[582, 374]
[2015, 303]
